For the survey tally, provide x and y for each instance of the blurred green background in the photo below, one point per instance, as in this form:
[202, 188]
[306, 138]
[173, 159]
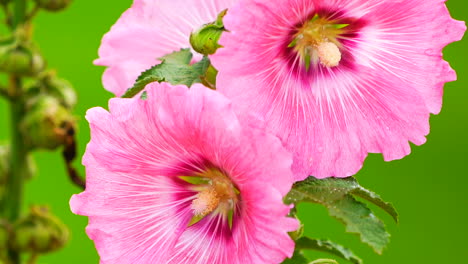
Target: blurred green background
[429, 187]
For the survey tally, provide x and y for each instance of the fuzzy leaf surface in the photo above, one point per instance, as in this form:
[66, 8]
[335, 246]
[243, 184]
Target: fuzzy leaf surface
[175, 69]
[337, 196]
[327, 247]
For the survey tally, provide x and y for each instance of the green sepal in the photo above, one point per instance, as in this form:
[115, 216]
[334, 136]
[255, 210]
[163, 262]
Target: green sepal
[339, 26]
[337, 196]
[195, 180]
[293, 43]
[329, 247]
[195, 219]
[316, 16]
[307, 61]
[174, 69]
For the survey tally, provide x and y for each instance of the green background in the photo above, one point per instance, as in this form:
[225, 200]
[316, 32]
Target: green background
[429, 187]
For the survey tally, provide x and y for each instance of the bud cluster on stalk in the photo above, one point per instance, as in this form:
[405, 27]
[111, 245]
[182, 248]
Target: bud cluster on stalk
[42, 105]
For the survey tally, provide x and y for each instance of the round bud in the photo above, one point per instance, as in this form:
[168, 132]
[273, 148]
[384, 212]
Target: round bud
[53, 5]
[47, 123]
[39, 232]
[21, 61]
[205, 40]
[60, 89]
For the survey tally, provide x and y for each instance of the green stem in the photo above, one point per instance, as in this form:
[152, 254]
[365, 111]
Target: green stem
[13, 196]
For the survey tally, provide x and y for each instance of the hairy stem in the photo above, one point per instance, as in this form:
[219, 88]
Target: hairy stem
[13, 197]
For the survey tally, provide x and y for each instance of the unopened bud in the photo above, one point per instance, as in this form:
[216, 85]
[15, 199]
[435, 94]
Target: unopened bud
[47, 124]
[60, 89]
[53, 5]
[39, 232]
[21, 61]
[205, 40]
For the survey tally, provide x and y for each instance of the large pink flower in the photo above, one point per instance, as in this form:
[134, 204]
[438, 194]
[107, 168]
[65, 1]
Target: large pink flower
[154, 166]
[338, 79]
[147, 31]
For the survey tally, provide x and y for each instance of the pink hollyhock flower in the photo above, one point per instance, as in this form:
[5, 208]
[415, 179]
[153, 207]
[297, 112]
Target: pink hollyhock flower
[149, 30]
[157, 166]
[338, 79]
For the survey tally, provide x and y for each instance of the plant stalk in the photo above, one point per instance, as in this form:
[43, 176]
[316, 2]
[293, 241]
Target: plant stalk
[13, 198]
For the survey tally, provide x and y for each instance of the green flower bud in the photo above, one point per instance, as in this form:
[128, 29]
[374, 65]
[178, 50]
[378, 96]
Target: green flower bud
[47, 123]
[21, 60]
[205, 40]
[53, 5]
[39, 232]
[60, 89]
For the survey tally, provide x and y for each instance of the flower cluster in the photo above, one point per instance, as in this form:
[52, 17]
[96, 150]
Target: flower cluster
[304, 88]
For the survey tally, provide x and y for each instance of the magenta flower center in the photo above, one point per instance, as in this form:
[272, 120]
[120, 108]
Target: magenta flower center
[317, 41]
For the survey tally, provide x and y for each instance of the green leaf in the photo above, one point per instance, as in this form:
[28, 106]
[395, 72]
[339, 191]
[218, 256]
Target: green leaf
[184, 56]
[360, 220]
[377, 200]
[174, 69]
[297, 258]
[337, 196]
[324, 261]
[328, 247]
[321, 191]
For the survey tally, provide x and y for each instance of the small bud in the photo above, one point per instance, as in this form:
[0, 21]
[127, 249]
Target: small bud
[205, 40]
[21, 60]
[39, 232]
[60, 89]
[53, 5]
[47, 123]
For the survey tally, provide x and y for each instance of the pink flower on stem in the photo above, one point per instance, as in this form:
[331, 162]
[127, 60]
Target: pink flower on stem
[338, 79]
[149, 30]
[177, 179]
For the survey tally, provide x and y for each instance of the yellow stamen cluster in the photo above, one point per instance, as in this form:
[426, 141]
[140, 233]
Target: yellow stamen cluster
[217, 193]
[317, 41]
